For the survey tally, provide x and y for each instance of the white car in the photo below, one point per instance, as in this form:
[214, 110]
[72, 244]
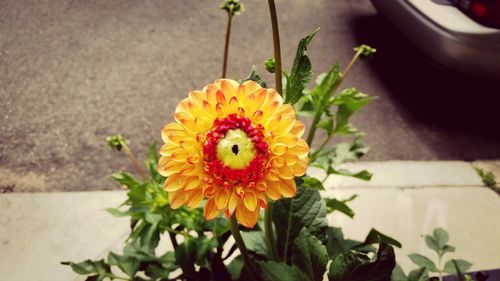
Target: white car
[460, 34]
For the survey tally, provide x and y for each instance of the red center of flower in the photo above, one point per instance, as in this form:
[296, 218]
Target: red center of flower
[217, 172]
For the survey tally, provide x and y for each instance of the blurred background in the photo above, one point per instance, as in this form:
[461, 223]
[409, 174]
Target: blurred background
[74, 72]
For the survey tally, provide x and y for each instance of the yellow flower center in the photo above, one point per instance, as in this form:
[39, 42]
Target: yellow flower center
[235, 149]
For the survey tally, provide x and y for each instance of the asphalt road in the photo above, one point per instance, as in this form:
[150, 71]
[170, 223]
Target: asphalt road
[74, 72]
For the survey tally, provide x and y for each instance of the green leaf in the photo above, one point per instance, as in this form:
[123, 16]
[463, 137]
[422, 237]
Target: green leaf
[337, 244]
[126, 179]
[398, 274]
[300, 74]
[326, 124]
[420, 274]
[441, 237]
[254, 76]
[355, 266]
[255, 242]
[129, 265]
[362, 175]
[432, 243]
[309, 255]
[310, 182]
[269, 64]
[235, 268]
[375, 236]
[451, 266]
[100, 267]
[423, 261]
[162, 267]
[326, 84]
[274, 271]
[348, 102]
[306, 209]
[333, 204]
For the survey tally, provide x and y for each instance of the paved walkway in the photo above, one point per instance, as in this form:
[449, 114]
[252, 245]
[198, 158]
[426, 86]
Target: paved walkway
[405, 200]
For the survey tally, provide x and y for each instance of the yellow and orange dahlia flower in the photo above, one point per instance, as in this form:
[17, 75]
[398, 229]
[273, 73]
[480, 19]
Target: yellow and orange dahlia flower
[236, 145]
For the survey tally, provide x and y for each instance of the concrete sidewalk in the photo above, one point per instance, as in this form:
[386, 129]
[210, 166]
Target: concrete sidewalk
[42, 229]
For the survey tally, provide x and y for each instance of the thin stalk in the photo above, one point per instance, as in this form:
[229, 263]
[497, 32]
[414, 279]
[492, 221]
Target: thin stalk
[287, 237]
[235, 231]
[277, 49]
[439, 267]
[173, 240]
[132, 158]
[268, 229]
[312, 131]
[226, 46]
[351, 63]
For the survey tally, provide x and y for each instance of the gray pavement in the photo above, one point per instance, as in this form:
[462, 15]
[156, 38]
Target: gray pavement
[73, 72]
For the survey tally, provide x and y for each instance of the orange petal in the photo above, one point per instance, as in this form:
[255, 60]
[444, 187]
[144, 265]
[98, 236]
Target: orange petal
[210, 211]
[246, 217]
[221, 198]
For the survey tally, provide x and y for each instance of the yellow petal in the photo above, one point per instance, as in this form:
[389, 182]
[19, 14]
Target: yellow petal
[288, 188]
[250, 200]
[174, 183]
[233, 202]
[194, 198]
[273, 190]
[246, 217]
[286, 173]
[176, 198]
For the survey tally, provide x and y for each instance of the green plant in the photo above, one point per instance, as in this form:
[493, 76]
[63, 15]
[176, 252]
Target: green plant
[438, 242]
[488, 178]
[292, 240]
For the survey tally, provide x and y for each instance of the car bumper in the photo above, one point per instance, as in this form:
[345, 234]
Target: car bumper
[447, 36]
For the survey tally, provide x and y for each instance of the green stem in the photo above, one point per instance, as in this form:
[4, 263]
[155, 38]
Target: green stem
[439, 268]
[351, 63]
[268, 228]
[235, 231]
[132, 158]
[226, 46]
[173, 240]
[312, 131]
[277, 49]
[288, 230]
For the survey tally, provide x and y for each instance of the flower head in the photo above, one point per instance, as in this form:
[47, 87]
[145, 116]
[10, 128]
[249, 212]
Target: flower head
[236, 145]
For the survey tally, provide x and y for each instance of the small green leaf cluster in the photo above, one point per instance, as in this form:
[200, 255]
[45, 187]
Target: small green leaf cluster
[489, 179]
[233, 7]
[116, 142]
[438, 242]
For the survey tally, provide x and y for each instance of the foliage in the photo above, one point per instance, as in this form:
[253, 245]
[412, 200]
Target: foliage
[295, 242]
[438, 242]
[488, 178]
[233, 7]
